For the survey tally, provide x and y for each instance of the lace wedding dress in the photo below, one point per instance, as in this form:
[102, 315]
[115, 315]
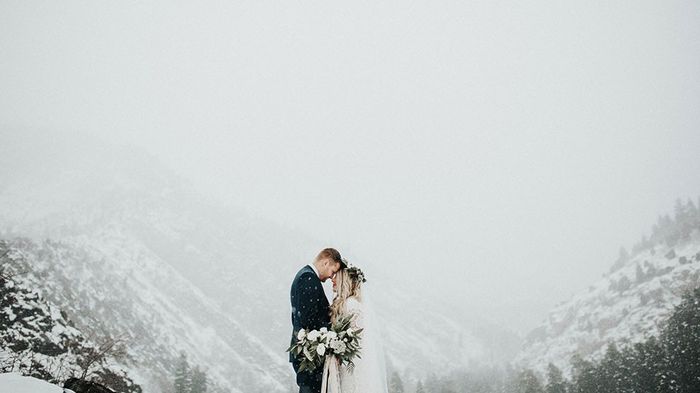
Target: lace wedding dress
[369, 374]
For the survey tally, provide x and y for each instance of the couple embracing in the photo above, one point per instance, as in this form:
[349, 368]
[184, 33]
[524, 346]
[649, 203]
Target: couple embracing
[312, 312]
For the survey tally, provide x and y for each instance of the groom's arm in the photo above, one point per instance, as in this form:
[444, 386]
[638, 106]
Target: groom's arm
[310, 301]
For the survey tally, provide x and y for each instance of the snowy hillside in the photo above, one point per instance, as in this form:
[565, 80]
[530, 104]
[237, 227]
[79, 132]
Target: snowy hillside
[125, 247]
[37, 338]
[153, 309]
[629, 304]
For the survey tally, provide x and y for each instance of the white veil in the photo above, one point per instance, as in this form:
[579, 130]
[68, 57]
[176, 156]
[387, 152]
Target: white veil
[372, 351]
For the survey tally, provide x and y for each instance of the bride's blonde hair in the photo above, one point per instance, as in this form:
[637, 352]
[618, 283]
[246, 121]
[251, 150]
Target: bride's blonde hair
[347, 283]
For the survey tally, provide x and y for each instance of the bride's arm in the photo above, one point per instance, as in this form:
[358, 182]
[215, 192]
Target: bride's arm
[354, 308]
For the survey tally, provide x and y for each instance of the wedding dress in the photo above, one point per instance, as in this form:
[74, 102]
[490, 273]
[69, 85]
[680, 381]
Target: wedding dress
[369, 373]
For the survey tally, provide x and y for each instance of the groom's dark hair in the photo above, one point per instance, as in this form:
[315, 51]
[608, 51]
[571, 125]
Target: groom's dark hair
[331, 253]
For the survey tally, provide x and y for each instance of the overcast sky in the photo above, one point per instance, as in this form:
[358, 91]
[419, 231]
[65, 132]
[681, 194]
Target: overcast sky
[502, 150]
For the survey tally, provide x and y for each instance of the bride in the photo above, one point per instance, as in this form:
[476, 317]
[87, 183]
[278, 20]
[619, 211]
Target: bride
[369, 373]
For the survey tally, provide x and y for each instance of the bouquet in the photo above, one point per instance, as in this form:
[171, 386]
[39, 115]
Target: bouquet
[341, 341]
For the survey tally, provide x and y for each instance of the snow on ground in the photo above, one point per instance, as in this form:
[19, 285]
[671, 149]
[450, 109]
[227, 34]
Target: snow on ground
[16, 383]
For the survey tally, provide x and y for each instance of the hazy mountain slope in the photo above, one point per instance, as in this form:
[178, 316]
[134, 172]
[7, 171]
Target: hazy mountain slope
[155, 310]
[627, 305]
[193, 276]
[423, 335]
[37, 339]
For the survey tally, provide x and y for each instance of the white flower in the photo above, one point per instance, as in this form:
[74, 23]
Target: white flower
[321, 349]
[334, 344]
[332, 335]
[324, 330]
[338, 346]
[301, 334]
[313, 335]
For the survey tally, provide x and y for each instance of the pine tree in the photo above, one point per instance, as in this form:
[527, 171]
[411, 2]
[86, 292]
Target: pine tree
[199, 381]
[431, 383]
[585, 376]
[183, 377]
[662, 231]
[668, 364]
[528, 382]
[395, 384]
[684, 217]
[555, 380]
[681, 342]
[622, 258]
[613, 375]
[645, 364]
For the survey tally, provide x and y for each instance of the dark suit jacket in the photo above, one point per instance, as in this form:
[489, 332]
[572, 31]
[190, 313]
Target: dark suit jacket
[310, 310]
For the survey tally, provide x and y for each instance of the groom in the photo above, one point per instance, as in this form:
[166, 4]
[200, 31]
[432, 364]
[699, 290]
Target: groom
[310, 309]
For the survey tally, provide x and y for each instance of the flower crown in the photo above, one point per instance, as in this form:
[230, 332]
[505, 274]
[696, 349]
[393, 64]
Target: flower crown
[355, 272]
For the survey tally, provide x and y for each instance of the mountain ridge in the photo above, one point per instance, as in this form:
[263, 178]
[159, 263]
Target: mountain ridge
[230, 272]
[630, 303]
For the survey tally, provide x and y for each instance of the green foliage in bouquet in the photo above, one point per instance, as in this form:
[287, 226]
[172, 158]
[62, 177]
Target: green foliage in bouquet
[341, 341]
[347, 346]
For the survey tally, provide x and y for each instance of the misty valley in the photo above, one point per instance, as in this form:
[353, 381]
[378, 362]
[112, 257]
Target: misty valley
[228, 196]
[118, 277]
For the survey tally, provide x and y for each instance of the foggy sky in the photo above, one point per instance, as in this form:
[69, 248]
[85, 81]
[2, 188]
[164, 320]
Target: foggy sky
[499, 152]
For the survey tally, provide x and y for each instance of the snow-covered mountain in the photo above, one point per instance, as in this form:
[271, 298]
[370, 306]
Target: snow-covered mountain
[94, 238]
[125, 292]
[124, 246]
[630, 303]
[37, 338]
